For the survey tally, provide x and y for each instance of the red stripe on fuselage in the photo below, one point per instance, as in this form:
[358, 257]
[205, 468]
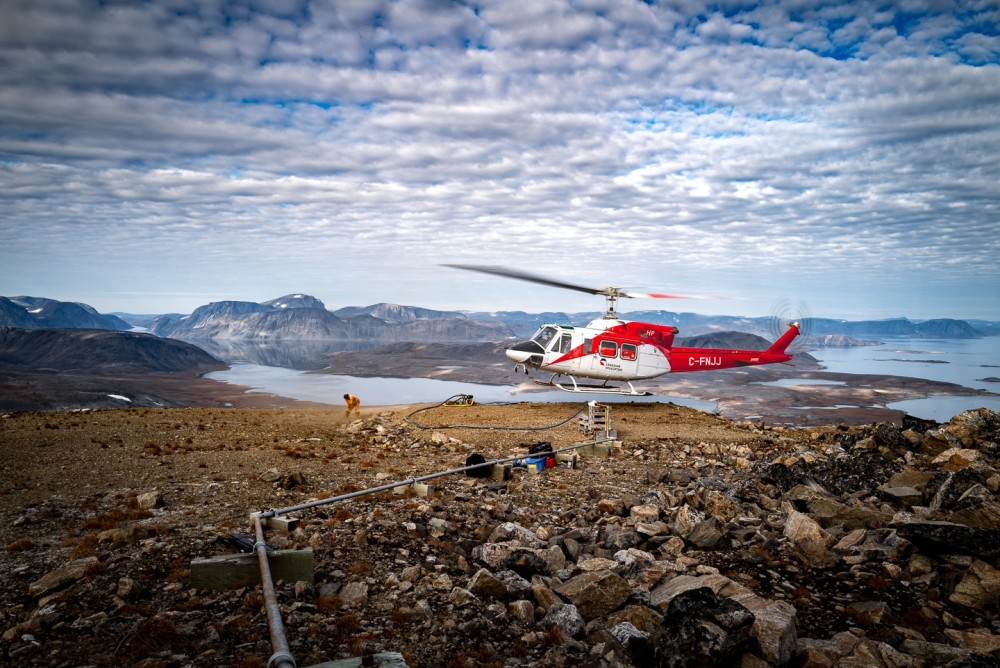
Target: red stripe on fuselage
[702, 359]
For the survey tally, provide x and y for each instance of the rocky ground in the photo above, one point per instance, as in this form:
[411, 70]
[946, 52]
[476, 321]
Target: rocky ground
[699, 541]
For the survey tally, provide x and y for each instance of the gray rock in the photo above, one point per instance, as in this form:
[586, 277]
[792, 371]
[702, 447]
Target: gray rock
[701, 628]
[637, 644]
[708, 533]
[566, 618]
[948, 537]
[526, 562]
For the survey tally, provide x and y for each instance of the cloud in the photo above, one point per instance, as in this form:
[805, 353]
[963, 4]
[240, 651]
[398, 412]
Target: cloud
[349, 148]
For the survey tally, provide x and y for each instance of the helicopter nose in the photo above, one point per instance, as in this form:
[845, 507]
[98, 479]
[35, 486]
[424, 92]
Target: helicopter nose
[518, 356]
[522, 352]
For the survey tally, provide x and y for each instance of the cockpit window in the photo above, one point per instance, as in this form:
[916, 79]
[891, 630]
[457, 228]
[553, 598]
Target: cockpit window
[543, 336]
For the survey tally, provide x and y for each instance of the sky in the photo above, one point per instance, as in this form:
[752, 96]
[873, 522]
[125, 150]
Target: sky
[843, 157]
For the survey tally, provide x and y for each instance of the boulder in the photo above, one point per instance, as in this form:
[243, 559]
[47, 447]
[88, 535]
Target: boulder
[566, 618]
[810, 539]
[708, 534]
[486, 586]
[645, 513]
[595, 594]
[685, 520]
[947, 537]
[637, 644]
[526, 562]
[701, 628]
[774, 623]
[662, 595]
[509, 531]
[979, 588]
[61, 577]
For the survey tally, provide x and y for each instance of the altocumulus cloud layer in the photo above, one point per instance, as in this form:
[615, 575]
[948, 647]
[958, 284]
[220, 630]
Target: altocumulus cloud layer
[157, 156]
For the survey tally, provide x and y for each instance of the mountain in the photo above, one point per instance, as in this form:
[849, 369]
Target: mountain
[141, 320]
[295, 301]
[724, 340]
[90, 351]
[39, 312]
[524, 324]
[303, 317]
[16, 315]
[987, 327]
[902, 327]
[694, 324]
[396, 313]
[278, 320]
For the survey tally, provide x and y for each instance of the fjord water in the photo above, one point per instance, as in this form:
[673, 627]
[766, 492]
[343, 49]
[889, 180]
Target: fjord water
[966, 362]
[330, 388]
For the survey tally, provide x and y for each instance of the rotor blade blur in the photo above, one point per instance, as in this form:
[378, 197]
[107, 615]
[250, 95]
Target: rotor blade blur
[523, 276]
[660, 295]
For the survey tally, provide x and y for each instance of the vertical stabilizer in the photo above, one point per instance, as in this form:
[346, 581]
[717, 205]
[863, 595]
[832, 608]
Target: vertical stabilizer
[778, 347]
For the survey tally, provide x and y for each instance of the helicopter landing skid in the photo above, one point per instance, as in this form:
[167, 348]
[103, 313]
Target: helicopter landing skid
[579, 388]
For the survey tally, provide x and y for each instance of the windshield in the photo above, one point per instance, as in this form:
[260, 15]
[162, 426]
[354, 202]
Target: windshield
[543, 336]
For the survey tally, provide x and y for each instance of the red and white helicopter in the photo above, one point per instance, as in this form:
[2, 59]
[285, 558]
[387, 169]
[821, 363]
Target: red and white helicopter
[613, 350]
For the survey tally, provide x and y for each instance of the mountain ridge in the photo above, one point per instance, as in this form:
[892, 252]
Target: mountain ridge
[299, 316]
[91, 351]
[300, 321]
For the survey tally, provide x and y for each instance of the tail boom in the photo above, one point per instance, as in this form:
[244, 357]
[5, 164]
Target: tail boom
[704, 359]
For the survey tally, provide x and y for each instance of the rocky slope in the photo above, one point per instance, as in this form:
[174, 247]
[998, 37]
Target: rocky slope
[38, 312]
[699, 541]
[85, 351]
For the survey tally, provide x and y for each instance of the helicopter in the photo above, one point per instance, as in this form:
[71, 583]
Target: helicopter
[610, 349]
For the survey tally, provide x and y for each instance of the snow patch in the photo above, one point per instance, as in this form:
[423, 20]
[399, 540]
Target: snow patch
[118, 396]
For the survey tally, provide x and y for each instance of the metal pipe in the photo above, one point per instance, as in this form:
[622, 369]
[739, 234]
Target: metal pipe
[282, 657]
[277, 512]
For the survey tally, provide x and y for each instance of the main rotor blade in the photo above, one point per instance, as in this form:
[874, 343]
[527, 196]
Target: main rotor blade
[660, 295]
[524, 276]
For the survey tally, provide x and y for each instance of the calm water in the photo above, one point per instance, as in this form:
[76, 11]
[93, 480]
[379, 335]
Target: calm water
[327, 388]
[964, 362]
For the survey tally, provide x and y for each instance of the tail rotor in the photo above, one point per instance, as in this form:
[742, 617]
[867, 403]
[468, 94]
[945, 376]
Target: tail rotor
[783, 314]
